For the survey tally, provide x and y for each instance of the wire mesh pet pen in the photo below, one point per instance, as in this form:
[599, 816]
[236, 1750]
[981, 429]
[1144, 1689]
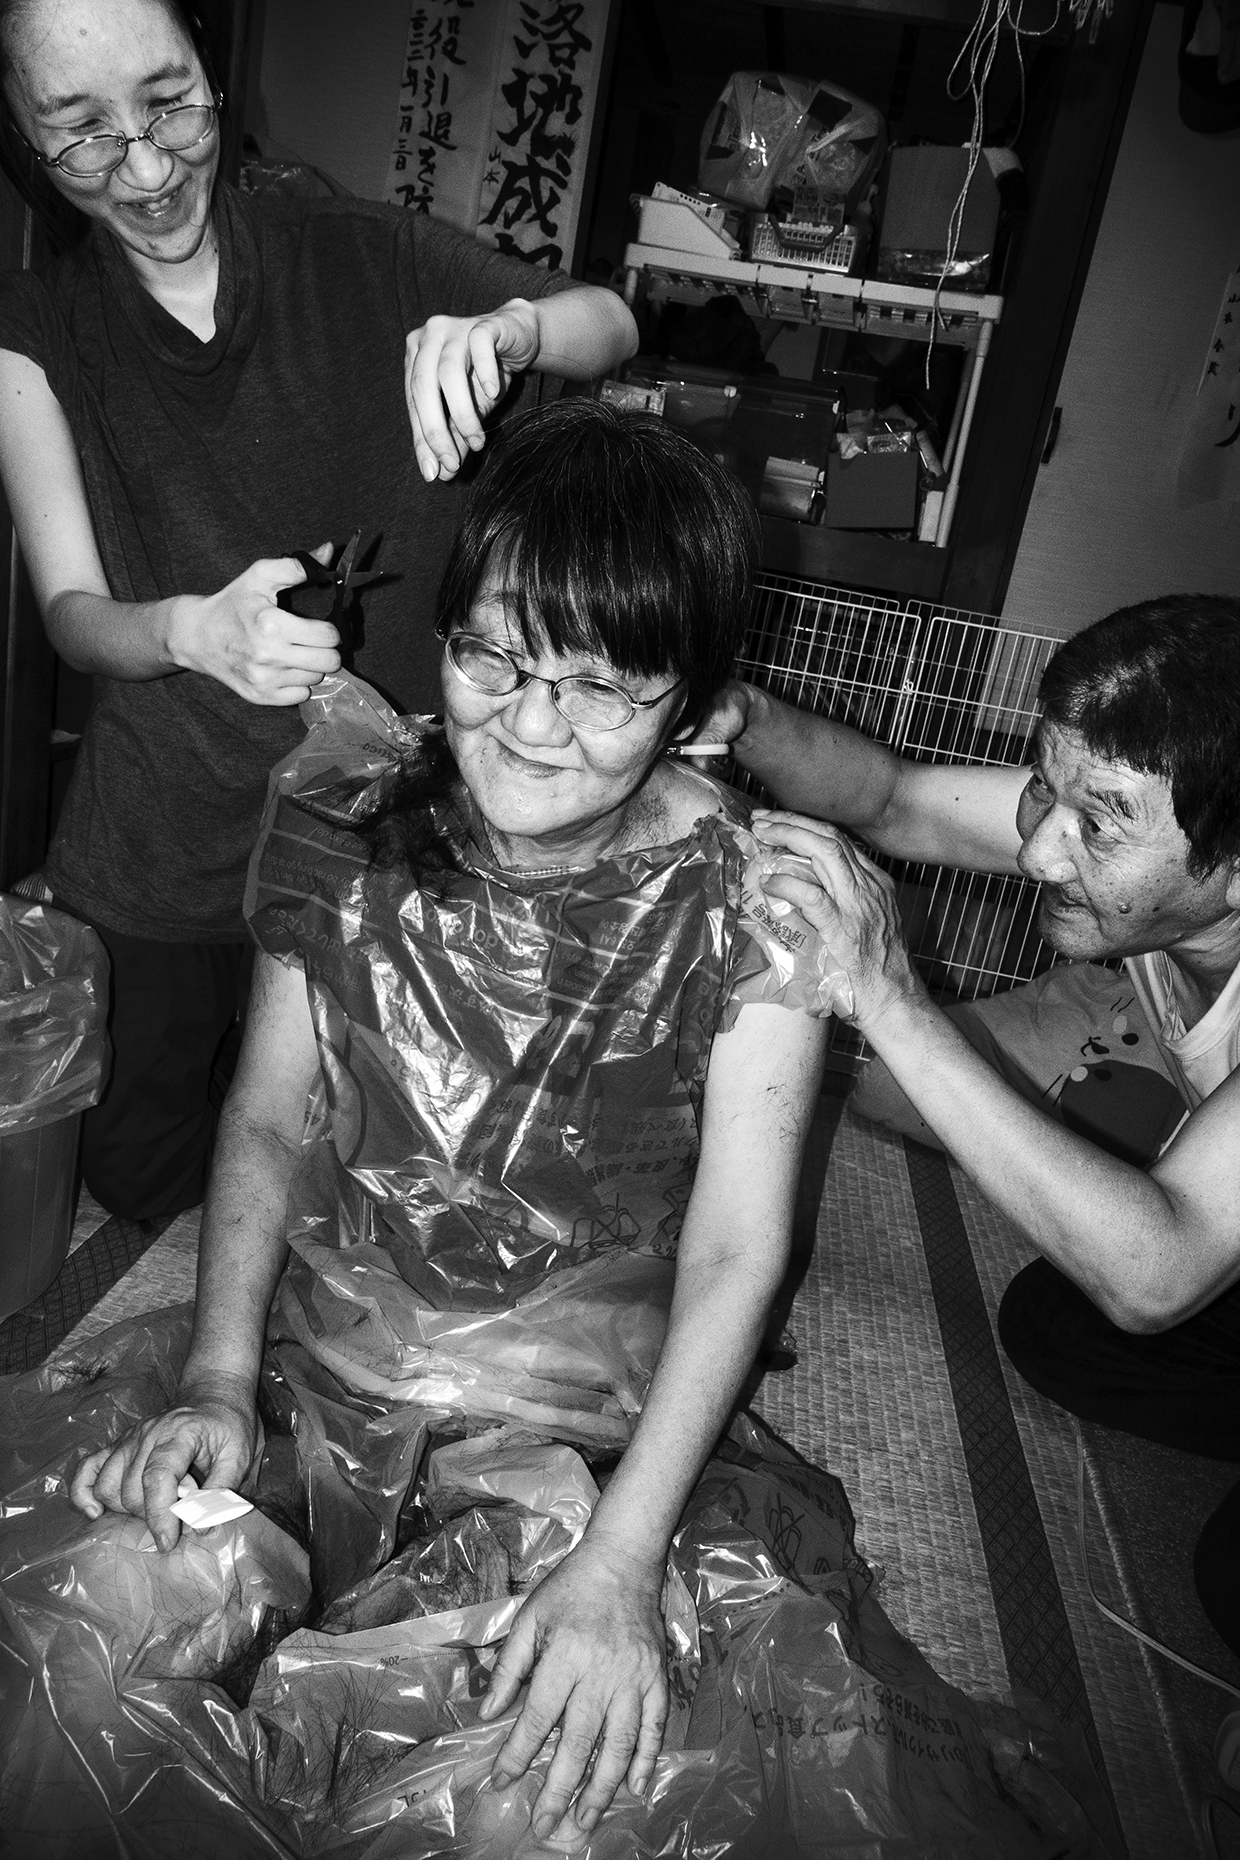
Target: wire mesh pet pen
[936, 685]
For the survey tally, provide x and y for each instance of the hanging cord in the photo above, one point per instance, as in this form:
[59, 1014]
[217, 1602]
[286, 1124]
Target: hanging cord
[977, 56]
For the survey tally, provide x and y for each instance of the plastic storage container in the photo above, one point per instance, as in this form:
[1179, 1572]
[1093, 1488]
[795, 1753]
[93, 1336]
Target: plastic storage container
[53, 1064]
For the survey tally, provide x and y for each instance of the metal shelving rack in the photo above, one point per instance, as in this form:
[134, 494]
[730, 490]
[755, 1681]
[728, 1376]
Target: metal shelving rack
[812, 294]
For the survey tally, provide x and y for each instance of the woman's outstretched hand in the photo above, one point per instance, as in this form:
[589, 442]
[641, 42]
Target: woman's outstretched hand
[593, 1635]
[211, 1432]
[240, 637]
[457, 368]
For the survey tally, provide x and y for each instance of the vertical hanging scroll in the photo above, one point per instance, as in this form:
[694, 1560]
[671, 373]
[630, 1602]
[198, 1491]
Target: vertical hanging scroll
[496, 102]
[1210, 460]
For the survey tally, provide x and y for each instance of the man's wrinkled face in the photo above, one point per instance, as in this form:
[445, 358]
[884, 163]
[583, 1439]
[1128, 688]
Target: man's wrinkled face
[1103, 841]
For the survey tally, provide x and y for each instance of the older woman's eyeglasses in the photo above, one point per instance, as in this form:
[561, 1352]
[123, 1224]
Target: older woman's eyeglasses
[173, 131]
[586, 702]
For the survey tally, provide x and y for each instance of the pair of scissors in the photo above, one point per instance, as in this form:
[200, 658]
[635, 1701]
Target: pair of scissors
[343, 580]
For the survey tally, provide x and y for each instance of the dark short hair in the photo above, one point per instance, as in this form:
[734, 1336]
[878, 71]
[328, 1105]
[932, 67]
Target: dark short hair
[62, 224]
[1158, 686]
[616, 536]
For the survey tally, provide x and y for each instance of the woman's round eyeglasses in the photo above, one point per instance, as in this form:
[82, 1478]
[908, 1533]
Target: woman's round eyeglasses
[173, 131]
[584, 701]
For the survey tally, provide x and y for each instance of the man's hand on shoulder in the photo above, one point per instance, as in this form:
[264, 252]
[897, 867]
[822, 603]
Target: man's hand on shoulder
[852, 906]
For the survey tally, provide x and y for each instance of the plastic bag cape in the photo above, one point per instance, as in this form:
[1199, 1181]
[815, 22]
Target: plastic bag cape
[495, 1171]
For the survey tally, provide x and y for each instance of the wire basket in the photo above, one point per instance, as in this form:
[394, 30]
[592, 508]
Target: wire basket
[936, 685]
[791, 242]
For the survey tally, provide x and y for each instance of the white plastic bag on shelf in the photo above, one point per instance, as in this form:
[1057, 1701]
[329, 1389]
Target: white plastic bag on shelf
[769, 132]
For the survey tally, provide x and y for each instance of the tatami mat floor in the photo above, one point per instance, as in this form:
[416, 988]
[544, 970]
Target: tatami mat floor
[1156, 1733]
[871, 1397]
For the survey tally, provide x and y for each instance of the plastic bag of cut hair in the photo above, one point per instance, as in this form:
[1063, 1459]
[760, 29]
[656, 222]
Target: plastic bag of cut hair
[769, 132]
[53, 1013]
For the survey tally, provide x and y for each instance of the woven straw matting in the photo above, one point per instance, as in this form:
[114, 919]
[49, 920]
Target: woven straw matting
[1148, 1767]
[164, 1275]
[870, 1398]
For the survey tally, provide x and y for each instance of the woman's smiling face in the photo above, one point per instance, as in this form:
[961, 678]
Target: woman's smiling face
[549, 791]
[81, 68]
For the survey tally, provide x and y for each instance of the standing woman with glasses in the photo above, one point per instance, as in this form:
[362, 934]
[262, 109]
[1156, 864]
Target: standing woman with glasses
[201, 384]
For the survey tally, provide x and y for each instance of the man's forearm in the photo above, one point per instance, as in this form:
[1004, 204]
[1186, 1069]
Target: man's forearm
[1108, 1226]
[583, 333]
[816, 766]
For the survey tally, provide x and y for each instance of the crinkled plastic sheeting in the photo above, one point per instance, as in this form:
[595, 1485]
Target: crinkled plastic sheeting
[53, 1013]
[204, 1703]
[499, 1156]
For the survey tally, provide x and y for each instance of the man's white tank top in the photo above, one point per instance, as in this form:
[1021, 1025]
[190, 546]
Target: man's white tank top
[1200, 1057]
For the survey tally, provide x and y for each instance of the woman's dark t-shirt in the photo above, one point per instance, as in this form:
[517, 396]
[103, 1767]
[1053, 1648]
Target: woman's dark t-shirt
[288, 429]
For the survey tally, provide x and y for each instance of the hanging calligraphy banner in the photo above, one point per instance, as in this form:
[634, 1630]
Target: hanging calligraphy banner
[493, 122]
[443, 119]
[1210, 460]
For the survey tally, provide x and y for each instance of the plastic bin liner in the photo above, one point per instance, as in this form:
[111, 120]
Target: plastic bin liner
[174, 1705]
[53, 1010]
[768, 132]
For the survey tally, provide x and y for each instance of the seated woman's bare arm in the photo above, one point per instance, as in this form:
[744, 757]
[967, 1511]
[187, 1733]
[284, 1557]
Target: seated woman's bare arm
[592, 1633]
[211, 1428]
[236, 635]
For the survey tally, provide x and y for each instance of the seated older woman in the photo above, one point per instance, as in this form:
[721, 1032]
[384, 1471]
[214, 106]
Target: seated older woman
[549, 1169]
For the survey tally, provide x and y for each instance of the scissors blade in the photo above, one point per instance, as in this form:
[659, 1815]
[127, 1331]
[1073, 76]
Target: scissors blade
[344, 567]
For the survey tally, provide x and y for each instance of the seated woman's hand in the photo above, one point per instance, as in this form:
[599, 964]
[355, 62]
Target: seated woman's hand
[593, 1634]
[242, 638]
[212, 1432]
[457, 368]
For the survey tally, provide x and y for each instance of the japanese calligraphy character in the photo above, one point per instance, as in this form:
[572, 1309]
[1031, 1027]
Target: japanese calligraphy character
[534, 101]
[558, 32]
[530, 192]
